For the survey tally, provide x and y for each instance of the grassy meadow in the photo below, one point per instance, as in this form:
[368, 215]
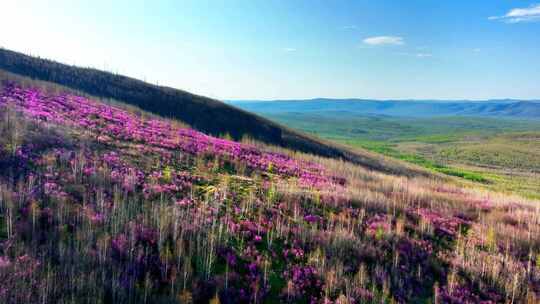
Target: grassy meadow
[499, 153]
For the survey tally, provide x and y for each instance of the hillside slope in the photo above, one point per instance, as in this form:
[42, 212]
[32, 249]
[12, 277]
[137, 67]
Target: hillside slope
[204, 114]
[103, 204]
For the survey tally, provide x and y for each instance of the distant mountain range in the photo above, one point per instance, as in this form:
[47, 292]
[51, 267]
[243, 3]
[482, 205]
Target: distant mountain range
[508, 108]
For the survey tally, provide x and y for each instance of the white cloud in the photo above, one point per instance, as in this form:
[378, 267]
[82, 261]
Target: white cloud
[289, 50]
[417, 55]
[384, 40]
[517, 15]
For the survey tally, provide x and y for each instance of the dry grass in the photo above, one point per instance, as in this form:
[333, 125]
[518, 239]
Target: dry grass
[79, 226]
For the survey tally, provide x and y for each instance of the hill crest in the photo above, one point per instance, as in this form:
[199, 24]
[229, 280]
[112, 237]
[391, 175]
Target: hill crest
[204, 114]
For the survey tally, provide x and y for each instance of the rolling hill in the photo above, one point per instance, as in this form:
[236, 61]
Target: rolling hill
[202, 113]
[491, 141]
[101, 202]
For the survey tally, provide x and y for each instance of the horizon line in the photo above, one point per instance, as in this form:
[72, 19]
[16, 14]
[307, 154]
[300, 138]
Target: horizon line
[382, 99]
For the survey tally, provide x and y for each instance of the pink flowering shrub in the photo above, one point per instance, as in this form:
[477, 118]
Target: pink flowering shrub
[103, 204]
[20, 280]
[110, 124]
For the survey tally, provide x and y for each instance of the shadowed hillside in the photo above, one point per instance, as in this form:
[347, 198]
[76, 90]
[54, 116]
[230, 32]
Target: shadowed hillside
[202, 113]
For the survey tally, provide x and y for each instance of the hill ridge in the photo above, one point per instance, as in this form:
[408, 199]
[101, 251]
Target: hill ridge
[202, 113]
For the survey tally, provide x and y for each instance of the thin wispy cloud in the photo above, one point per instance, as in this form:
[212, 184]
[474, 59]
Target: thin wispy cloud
[518, 15]
[384, 40]
[417, 55]
[289, 50]
[350, 27]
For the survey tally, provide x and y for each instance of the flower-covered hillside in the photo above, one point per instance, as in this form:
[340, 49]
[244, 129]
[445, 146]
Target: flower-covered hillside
[111, 124]
[102, 204]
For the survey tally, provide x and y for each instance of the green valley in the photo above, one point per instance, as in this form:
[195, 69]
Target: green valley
[500, 153]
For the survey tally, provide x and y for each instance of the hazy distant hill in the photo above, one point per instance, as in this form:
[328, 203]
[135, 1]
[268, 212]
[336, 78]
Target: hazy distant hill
[405, 108]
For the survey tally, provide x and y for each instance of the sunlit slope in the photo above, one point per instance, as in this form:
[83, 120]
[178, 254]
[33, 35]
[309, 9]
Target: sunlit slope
[103, 203]
[202, 113]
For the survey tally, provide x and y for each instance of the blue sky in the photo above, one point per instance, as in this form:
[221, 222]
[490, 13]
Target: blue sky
[294, 49]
